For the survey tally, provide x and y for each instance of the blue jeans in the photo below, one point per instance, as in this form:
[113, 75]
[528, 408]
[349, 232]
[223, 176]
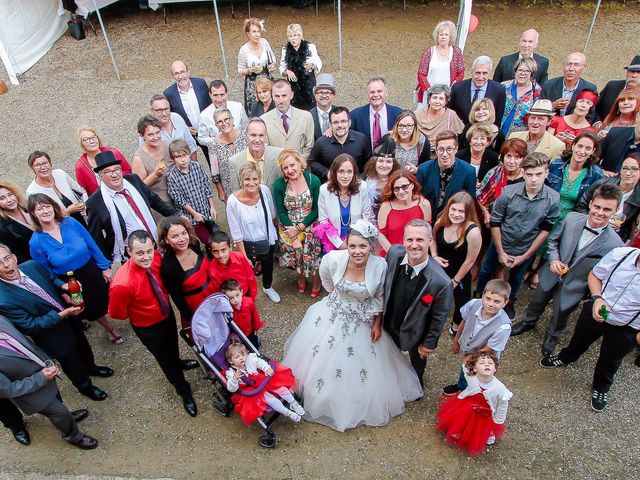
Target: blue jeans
[489, 267]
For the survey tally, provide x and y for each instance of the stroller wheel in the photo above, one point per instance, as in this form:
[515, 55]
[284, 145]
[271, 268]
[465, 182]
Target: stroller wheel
[268, 440]
[222, 407]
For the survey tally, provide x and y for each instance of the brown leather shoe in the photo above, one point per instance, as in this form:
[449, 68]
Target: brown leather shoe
[86, 443]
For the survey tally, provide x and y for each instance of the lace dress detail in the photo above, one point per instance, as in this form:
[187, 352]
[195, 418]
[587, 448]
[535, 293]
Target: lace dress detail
[346, 379]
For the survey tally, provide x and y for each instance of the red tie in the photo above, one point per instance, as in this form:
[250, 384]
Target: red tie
[377, 134]
[285, 123]
[135, 208]
[157, 291]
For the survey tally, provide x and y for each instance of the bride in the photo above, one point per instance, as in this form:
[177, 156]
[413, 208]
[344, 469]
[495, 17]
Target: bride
[348, 370]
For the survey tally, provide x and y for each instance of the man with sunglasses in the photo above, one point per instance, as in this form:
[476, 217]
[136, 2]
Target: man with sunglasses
[446, 175]
[208, 129]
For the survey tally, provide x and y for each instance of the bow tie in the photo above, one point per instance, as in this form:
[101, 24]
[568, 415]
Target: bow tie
[591, 230]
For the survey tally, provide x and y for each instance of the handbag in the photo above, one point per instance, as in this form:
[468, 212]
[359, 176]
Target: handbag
[259, 248]
[75, 27]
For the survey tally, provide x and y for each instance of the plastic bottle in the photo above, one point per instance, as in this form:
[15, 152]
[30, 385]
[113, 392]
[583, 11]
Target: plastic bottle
[75, 291]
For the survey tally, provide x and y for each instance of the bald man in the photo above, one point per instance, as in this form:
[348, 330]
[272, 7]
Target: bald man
[188, 96]
[527, 46]
[563, 91]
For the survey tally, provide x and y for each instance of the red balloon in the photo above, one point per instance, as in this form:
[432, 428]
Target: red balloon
[473, 23]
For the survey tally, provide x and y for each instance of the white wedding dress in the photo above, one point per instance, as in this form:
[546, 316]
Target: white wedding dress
[345, 379]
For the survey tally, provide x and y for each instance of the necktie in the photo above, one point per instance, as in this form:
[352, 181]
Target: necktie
[285, 123]
[135, 208]
[410, 271]
[591, 230]
[17, 347]
[38, 291]
[157, 291]
[325, 122]
[377, 134]
[475, 95]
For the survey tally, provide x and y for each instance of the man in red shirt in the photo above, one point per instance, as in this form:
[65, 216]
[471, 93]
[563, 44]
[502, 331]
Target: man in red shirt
[136, 293]
[229, 265]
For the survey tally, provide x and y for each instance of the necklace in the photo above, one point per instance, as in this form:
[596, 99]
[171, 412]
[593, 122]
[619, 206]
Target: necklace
[356, 268]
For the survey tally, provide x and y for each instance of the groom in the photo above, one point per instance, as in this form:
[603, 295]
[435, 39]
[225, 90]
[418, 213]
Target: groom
[417, 296]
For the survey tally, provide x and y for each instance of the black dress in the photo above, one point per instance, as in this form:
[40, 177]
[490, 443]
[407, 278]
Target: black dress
[456, 257]
[16, 236]
[303, 97]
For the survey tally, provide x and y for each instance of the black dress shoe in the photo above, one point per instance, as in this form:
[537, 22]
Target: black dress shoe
[548, 346]
[22, 436]
[86, 443]
[99, 371]
[190, 405]
[79, 415]
[94, 393]
[520, 327]
[189, 364]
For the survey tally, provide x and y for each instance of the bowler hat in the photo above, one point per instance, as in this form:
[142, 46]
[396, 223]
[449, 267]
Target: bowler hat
[105, 159]
[634, 66]
[325, 80]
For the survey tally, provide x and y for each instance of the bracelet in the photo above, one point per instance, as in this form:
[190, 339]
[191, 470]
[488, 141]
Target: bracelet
[455, 281]
[596, 297]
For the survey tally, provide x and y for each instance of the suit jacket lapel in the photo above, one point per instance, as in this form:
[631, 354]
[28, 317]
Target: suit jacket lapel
[594, 245]
[575, 238]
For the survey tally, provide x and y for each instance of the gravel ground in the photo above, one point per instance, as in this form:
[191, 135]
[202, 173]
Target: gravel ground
[143, 431]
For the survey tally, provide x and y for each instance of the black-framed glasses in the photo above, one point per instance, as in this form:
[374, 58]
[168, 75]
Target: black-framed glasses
[112, 172]
[161, 110]
[449, 150]
[409, 126]
[404, 188]
[92, 138]
[630, 169]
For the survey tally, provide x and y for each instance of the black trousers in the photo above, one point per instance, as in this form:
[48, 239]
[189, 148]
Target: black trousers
[267, 267]
[161, 340]
[418, 363]
[617, 342]
[10, 416]
[78, 363]
[461, 295]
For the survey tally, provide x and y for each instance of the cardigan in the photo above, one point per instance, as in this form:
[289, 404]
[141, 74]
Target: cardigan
[64, 183]
[456, 70]
[279, 189]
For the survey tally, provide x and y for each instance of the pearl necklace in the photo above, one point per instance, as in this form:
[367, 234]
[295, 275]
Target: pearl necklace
[356, 268]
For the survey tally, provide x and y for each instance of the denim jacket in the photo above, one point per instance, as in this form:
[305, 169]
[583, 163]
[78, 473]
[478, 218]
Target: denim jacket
[556, 175]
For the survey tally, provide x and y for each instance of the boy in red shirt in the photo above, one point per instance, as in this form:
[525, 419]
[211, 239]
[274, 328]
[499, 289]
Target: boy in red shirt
[245, 313]
[227, 264]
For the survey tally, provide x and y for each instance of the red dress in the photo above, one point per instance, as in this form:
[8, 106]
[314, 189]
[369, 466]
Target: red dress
[560, 125]
[396, 221]
[196, 286]
[468, 422]
[250, 408]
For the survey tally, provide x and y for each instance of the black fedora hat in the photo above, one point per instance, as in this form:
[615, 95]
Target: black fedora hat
[105, 159]
[634, 66]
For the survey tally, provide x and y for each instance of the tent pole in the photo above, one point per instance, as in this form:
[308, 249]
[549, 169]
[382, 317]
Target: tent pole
[224, 57]
[106, 40]
[593, 22]
[340, 34]
[460, 15]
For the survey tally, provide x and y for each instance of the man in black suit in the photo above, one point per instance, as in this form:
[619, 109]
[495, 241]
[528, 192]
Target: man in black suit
[188, 97]
[617, 145]
[613, 88]
[324, 91]
[464, 93]
[33, 300]
[418, 295]
[30, 383]
[563, 91]
[528, 44]
[120, 206]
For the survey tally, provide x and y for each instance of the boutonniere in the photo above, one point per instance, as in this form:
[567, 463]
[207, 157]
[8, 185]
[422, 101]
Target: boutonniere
[427, 299]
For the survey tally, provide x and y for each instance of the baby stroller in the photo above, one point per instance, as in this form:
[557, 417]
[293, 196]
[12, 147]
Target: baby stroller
[212, 330]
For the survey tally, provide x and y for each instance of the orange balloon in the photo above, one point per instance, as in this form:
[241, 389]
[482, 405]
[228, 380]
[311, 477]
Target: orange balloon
[473, 23]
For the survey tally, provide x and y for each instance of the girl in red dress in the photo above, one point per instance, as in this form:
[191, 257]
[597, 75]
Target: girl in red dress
[475, 417]
[247, 371]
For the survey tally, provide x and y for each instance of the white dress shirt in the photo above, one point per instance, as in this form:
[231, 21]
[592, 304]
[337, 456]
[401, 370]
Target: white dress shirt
[207, 129]
[190, 104]
[383, 121]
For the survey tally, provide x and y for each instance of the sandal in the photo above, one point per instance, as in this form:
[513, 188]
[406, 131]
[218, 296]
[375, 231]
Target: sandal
[302, 286]
[533, 281]
[315, 293]
[113, 338]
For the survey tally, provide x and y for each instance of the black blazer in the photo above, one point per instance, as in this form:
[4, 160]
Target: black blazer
[460, 100]
[317, 132]
[614, 148]
[257, 109]
[552, 90]
[99, 220]
[504, 70]
[16, 236]
[489, 160]
[202, 94]
[608, 97]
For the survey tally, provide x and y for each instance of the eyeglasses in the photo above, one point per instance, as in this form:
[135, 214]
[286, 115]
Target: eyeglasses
[406, 126]
[324, 93]
[223, 121]
[404, 188]
[630, 169]
[161, 110]
[449, 150]
[521, 70]
[340, 122]
[38, 166]
[42, 207]
[112, 172]
[92, 138]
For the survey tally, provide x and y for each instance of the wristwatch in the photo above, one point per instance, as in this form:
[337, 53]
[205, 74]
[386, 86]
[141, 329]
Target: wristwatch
[595, 297]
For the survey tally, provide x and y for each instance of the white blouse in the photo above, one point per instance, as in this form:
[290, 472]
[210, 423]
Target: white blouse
[246, 222]
[439, 70]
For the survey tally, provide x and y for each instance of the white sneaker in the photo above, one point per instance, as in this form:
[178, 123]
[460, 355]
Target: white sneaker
[272, 294]
[296, 407]
[491, 440]
[293, 416]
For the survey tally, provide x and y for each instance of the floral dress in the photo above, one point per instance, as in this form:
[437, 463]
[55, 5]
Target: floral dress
[304, 255]
[219, 154]
[515, 109]
[346, 379]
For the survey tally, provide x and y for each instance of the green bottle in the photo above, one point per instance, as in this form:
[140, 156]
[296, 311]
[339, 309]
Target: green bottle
[603, 312]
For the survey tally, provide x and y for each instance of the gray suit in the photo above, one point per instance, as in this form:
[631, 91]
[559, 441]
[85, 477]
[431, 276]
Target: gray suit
[568, 290]
[22, 382]
[271, 169]
[423, 322]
